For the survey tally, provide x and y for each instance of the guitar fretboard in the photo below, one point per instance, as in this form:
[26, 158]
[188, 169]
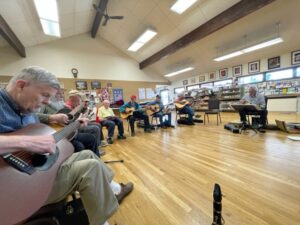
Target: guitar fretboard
[66, 131]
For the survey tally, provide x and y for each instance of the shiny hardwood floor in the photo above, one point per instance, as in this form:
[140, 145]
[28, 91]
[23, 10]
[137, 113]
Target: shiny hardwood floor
[174, 172]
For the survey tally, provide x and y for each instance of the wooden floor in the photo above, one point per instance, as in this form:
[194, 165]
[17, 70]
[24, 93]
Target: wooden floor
[174, 172]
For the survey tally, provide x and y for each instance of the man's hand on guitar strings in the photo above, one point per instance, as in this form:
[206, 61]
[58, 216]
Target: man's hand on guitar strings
[59, 118]
[38, 144]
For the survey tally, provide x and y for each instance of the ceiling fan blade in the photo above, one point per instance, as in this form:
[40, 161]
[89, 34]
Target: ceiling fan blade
[116, 17]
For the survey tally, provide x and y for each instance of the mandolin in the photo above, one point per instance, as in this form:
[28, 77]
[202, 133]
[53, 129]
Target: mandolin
[27, 178]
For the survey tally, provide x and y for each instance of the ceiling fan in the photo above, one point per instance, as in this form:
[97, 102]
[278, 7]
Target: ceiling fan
[106, 16]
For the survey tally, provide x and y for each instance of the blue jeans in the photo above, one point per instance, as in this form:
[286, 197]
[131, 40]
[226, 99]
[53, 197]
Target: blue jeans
[188, 110]
[110, 124]
[160, 115]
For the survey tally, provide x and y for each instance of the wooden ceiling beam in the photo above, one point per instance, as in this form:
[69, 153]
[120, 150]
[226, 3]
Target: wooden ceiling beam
[7, 33]
[99, 15]
[232, 14]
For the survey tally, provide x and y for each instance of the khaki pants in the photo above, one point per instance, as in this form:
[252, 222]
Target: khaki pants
[84, 172]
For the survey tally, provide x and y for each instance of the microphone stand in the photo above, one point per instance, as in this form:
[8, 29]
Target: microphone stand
[217, 206]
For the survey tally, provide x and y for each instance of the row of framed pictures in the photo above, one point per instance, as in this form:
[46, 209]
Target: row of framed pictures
[253, 67]
[82, 85]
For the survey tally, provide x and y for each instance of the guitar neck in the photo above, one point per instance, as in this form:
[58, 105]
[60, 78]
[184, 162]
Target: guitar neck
[66, 131]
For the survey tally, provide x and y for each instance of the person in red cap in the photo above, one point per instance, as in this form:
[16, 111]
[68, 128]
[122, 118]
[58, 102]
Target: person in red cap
[132, 110]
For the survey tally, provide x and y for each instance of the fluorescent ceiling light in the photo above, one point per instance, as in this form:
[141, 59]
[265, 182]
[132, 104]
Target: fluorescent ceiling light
[48, 14]
[181, 5]
[263, 45]
[250, 49]
[135, 46]
[143, 39]
[228, 56]
[179, 71]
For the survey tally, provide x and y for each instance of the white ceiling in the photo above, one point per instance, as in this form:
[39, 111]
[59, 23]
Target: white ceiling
[76, 17]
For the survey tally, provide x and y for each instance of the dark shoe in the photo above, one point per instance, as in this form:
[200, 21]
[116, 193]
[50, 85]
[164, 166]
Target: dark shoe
[164, 127]
[132, 134]
[152, 128]
[109, 141]
[125, 190]
[148, 131]
[172, 126]
[121, 137]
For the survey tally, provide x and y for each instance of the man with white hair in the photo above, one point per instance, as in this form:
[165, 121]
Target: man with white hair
[108, 119]
[255, 98]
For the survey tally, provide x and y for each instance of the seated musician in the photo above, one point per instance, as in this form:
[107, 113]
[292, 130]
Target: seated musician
[108, 119]
[185, 108]
[255, 98]
[82, 171]
[134, 111]
[48, 115]
[74, 100]
[157, 108]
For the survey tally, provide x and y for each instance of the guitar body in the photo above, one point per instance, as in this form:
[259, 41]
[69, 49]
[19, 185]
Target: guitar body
[182, 104]
[152, 109]
[21, 194]
[128, 112]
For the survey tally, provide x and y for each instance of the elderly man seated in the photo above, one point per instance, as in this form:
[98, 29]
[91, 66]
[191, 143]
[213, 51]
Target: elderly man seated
[255, 98]
[108, 119]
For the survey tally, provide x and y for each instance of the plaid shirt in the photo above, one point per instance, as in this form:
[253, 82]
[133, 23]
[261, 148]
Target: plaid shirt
[11, 118]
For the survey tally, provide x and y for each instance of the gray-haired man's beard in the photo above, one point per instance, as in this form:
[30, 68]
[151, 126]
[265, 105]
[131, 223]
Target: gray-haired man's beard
[57, 105]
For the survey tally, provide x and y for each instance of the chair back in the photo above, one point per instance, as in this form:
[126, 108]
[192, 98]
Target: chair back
[213, 104]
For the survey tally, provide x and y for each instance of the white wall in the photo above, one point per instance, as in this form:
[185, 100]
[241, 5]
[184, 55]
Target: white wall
[94, 59]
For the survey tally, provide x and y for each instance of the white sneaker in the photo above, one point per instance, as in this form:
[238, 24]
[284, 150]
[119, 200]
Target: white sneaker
[103, 143]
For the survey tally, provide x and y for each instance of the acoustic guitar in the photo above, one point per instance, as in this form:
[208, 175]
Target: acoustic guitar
[27, 178]
[128, 112]
[151, 109]
[182, 104]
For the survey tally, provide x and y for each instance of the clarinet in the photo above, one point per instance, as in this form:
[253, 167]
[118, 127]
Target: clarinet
[217, 208]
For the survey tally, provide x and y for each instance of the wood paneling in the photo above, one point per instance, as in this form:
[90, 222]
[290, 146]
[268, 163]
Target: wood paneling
[129, 87]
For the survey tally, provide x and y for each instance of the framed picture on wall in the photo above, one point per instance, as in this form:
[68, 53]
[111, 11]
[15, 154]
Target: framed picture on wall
[95, 85]
[201, 78]
[254, 67]
[212, 76]
[237, 70]
[185, 82]
[295, 57]
[81, 85]
[223, 73]
[274, 62]
[109, 85]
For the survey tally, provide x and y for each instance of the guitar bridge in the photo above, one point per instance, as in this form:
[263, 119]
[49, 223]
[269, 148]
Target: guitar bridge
[18, 164]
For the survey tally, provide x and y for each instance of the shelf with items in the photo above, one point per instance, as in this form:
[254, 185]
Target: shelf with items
[228, 96]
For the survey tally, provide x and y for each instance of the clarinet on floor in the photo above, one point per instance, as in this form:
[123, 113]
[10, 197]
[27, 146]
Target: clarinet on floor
[217, 195]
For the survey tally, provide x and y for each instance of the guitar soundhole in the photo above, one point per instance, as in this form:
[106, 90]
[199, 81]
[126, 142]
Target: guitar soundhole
[38, 160]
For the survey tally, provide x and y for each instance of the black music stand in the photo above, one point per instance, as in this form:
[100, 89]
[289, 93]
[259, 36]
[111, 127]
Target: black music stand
[249, 108]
